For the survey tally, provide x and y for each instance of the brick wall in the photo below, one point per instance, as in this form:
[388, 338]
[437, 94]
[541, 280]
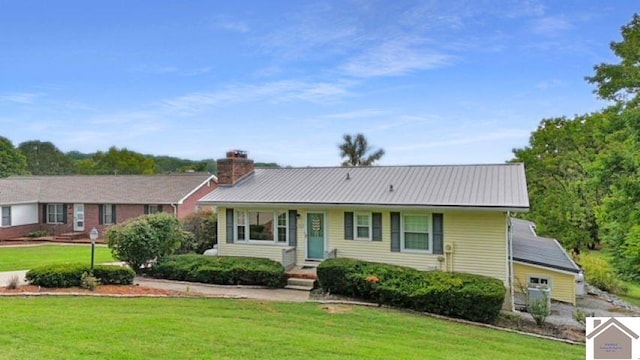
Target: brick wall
[189, 205]
[13, 232]
[230, 170]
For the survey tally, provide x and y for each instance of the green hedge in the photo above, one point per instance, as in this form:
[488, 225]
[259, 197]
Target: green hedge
[223, 270]
[69, 275]
[461, 295]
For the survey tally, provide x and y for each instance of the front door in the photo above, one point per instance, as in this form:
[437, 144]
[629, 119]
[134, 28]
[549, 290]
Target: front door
[78, 217]
[315, 236]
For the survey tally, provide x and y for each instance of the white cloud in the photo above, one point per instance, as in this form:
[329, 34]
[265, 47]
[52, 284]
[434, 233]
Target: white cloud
[395, 57]
[356, 114]
[157, 69]
[467, 139]
[549, 26]
[549, 84]
[20, 98]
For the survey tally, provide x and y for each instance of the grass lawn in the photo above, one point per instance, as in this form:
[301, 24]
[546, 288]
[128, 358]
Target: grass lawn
[24, 258]
[153, 328]
[633, 296]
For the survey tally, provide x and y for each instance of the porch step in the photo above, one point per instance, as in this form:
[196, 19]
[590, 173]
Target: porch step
[71, 236]
[300, 284]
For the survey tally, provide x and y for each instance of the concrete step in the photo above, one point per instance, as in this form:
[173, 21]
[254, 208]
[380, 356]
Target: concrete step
[300, 284]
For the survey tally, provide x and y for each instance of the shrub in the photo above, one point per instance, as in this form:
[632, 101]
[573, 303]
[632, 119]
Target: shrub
[223, 270]
[88, 281]
[539, 309]
[146, 238]
[13, 282]
[203, 228]
[38, 234]
[69, 275]
[466, 296]
[599, 273]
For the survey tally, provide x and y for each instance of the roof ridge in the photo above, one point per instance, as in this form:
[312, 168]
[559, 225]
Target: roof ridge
[391, 166]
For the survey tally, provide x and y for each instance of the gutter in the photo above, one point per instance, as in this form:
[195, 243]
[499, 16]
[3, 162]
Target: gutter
[175, 210]
[510, 265]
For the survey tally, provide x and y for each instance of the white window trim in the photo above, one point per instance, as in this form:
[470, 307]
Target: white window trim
[2, 214]
[247, 231]
[539, 277]
[56, 213]
[355, 226]
[110, 213]
[429, 228]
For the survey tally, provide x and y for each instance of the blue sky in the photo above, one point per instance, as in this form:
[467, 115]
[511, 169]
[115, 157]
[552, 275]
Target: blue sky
[431, 82]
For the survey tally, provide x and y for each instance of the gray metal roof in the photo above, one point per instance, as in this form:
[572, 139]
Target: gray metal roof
[493, 186]
[537, 250]
[120, 189]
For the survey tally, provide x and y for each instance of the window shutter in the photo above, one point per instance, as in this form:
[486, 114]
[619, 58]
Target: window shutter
[146, 209]
[293, 228]
[437, 234]
[64, 213]
[348, 225]
[376, 223]
[100, 214]
[44, 213]
[230, 226]
[113, 213]
[395, 231]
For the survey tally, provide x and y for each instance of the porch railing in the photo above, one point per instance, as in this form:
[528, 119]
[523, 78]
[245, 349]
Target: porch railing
[288, 257]
[331, 254]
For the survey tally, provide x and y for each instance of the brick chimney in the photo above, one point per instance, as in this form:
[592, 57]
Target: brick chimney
[234, 167]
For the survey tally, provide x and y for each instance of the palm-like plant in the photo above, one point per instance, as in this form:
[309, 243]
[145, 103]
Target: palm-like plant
[356, 151]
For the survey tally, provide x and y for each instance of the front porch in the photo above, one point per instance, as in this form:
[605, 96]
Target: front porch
[302, 276]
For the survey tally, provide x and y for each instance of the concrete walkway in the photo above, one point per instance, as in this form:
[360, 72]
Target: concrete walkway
[247, 292]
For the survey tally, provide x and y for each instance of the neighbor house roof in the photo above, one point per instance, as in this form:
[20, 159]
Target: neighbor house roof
[491, 186]
[530, 248]
[110, 189]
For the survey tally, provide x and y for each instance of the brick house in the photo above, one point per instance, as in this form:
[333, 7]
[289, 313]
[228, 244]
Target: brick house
[65, 204]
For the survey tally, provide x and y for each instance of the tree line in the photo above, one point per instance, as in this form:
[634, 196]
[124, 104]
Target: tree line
[583, 173]
[36, 157]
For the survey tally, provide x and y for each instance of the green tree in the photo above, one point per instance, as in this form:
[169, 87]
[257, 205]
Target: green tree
[12, 161]
[203, 227]
[122, 162]
[621, 82]
[140, 240]
[357, 151]
[44, 158]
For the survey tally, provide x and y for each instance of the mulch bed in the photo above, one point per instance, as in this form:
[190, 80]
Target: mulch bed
[119, 290]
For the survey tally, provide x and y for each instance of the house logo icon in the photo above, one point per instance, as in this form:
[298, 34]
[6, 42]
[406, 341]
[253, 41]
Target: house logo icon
[612, 338]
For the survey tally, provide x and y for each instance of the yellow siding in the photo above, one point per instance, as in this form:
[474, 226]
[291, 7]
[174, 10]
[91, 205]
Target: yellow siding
[562, 284]
[479, 243]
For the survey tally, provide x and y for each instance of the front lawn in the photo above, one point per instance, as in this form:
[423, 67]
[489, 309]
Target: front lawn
[28, 257]
[169, 328]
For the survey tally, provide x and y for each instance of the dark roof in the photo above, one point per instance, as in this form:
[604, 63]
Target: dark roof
[530, 248]
[492, 186]
[113, 189]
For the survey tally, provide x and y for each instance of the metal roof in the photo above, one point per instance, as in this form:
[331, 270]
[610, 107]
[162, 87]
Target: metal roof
[492, 186]
[112, 189]
[533, 249]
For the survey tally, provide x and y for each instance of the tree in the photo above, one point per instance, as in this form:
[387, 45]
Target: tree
[118, 162]
[203, 227]
[44, 158]
[12, 161]
[621, 82]
[146, 238]
[357, 150]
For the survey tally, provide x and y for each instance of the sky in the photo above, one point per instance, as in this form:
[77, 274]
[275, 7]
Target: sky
[430, 82]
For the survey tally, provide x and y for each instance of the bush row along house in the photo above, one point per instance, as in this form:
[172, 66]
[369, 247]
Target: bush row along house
[449, 218]
[76, 204]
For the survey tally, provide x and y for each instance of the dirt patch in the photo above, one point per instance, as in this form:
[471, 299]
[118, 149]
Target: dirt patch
[129, 290]
[336, 309]
[515, 322]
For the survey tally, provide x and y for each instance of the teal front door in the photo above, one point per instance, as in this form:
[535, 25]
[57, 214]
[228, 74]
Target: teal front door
[315, 236]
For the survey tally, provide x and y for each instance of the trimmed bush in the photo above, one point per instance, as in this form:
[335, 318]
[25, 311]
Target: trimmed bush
[70, 275]
[203, 229]
[461, 295]
[222, 270]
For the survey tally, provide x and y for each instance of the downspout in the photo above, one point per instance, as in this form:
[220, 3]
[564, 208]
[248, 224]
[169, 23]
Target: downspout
[175, 210]
[510, 258]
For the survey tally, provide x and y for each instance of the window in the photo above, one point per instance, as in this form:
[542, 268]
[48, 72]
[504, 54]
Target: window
[6, 216]
[107, 214]
[363, 227]
[152, 209]
[539, 280]
[415, 233]
[262, 226]
[55, 214]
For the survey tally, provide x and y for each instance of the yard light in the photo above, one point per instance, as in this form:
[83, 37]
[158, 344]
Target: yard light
[93, 235]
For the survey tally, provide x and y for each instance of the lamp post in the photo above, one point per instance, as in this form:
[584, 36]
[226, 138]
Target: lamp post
[93, 235]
